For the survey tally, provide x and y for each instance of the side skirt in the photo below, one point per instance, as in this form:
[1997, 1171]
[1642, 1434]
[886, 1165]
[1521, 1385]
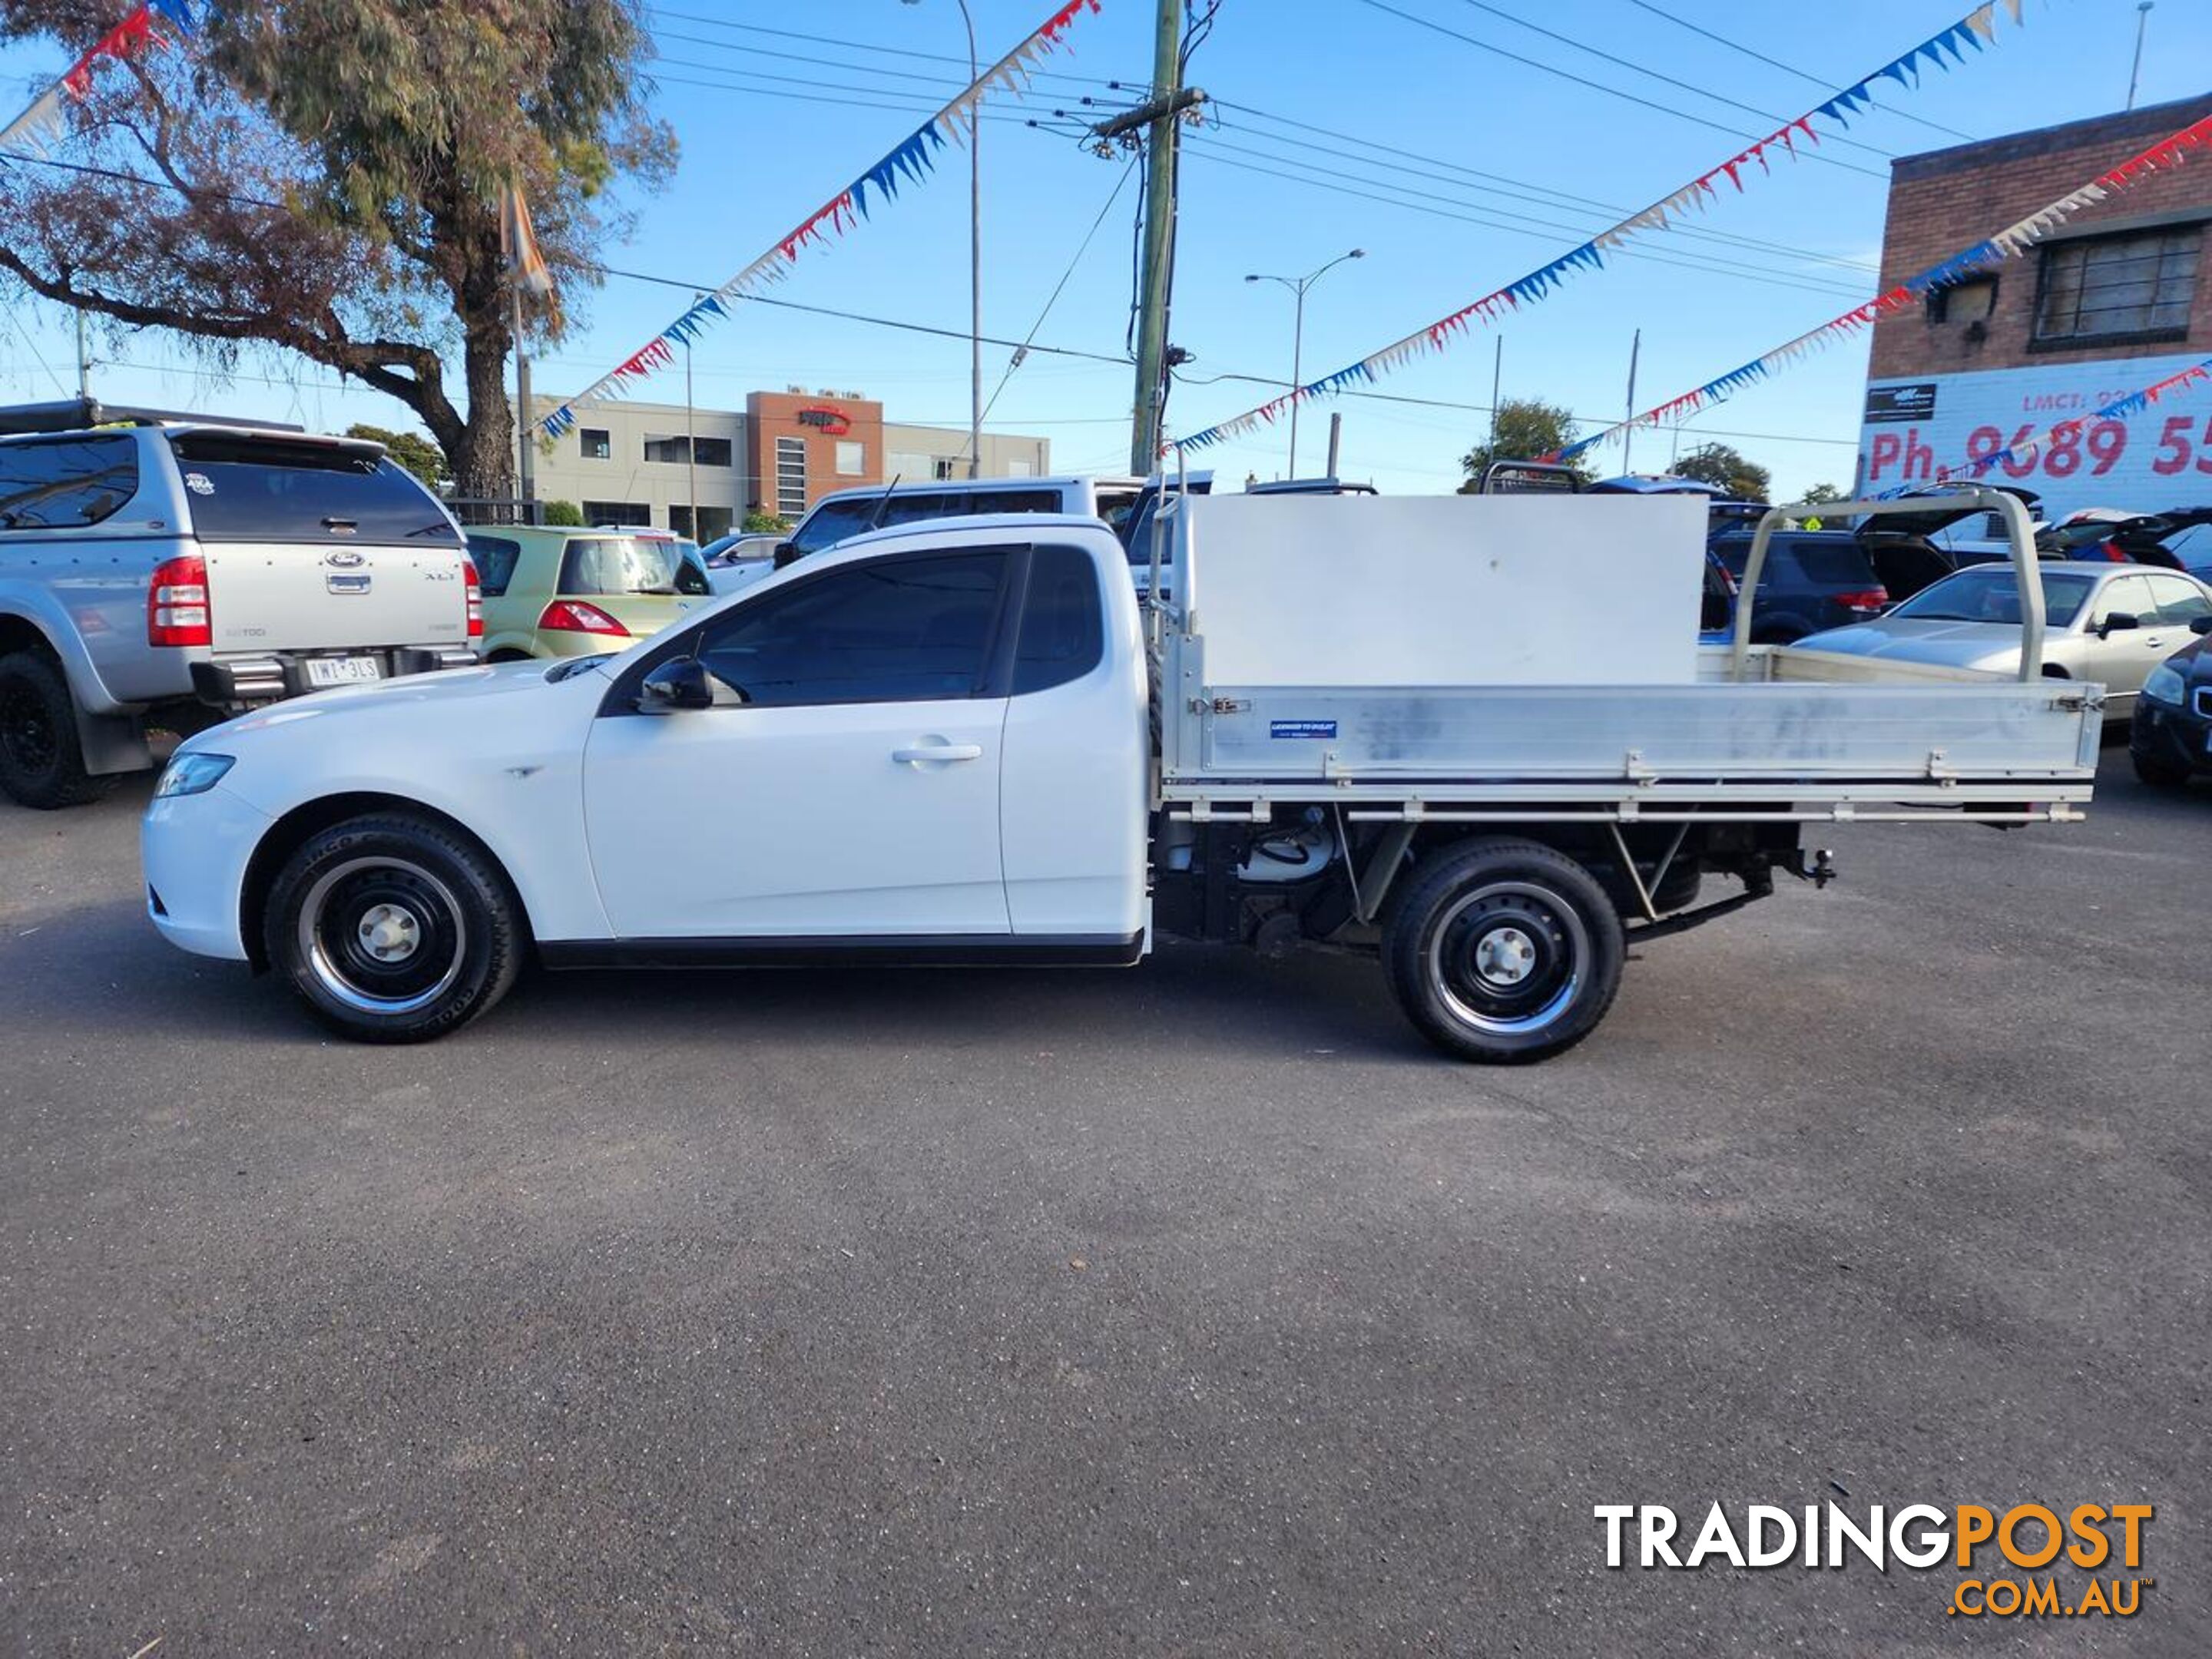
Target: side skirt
[838, 950]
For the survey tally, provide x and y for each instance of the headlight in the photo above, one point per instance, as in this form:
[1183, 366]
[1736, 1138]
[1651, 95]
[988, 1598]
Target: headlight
[192, 775]
[2166, 684]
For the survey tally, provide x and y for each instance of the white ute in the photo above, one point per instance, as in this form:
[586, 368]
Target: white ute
[1474, 736]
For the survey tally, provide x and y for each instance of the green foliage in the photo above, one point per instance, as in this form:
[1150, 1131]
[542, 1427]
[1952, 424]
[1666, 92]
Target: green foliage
[563, 513]
[335, 172]
[1725, 468]
[757, 523]
[410, 449]
[1528, 427]
[1823, 492]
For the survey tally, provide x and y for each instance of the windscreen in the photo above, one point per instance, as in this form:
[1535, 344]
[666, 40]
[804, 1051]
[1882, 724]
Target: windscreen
[605, 565]
[1990, 594]
[241, 488]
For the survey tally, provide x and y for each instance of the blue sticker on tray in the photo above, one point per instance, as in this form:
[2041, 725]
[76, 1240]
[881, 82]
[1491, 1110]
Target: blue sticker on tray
[1301, 729]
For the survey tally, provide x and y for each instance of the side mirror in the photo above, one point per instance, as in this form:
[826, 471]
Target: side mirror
[683, 684]
[2200, 624]
[2118, 622]
[786, 552]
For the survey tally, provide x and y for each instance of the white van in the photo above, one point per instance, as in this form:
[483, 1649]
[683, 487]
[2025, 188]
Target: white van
[838, 518]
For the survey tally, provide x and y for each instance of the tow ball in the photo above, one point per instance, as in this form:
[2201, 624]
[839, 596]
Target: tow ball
[1820, 869]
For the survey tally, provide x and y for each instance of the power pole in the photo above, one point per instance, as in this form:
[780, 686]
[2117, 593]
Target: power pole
[1628, 436]
[1159, 238]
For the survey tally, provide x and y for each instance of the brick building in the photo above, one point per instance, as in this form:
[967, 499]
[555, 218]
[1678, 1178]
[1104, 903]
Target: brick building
[700, 471]
[2115, 299]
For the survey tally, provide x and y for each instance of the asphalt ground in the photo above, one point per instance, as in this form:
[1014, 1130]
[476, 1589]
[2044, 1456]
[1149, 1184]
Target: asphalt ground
[1195, 1310]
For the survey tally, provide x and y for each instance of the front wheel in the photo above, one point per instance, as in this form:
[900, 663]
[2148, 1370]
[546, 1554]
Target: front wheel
[393, 928]
[2158, 774]
[1503, 951]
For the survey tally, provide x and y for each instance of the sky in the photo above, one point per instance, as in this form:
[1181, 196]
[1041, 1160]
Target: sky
[1381, 124]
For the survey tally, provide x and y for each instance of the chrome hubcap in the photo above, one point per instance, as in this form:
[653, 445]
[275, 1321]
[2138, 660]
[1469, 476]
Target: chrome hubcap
[1505, 957]
[389, 933]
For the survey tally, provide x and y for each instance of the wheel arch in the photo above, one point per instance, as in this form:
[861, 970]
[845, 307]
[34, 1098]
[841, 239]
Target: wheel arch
[291, 831]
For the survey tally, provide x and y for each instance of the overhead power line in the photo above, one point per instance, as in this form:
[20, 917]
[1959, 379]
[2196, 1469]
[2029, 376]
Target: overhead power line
[1693, 258]
[1639, 69]
[1538, 64]
[1776, 63]
[1519, 190]
[865, 45]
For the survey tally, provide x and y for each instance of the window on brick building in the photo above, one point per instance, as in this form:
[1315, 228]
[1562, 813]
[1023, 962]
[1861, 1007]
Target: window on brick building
[1974, 299]
[2138, 286]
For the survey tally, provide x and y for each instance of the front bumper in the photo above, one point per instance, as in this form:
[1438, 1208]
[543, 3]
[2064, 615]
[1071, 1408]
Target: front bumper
[2171, 735]
[236, 682]
[194, 849]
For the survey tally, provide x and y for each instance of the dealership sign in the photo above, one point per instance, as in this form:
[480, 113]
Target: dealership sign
[1920, 430]
[834, 421]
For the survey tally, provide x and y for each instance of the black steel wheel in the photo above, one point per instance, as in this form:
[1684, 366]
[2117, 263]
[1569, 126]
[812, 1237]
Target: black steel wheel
[41, 762]
[393, 928]
[1503, 951]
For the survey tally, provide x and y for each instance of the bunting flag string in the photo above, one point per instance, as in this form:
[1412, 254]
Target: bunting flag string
[909, 162]
[1942, 50]
[2008, 243]
[2119, 409]
[46, 122]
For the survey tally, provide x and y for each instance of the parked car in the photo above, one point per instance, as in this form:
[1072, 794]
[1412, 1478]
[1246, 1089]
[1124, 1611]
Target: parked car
[1813, 580]
[739, 560]
[2170, 739]
[951, 743]
[551, 591]
[837, 518]
[2107, 623]
[2152, 538]
[168, 568]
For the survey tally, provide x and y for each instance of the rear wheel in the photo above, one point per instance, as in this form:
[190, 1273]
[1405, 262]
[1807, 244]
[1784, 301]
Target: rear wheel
[1503, 951]
[41, 762]
[393, 929]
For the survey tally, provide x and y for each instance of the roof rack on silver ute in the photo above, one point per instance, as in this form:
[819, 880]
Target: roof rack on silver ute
[75, 414]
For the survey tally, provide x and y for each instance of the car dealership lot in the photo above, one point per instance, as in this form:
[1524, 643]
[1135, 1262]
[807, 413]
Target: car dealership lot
[1200, 1308]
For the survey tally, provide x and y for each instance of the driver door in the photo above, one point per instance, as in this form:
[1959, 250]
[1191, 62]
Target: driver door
[854, 794]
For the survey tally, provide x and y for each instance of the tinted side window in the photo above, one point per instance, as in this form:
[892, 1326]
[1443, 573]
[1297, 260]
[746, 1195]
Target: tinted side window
[1014, 501]
[891, 630]
[2179, 602]
[1833, 564]
[493, 557]
[1063, 625]
[832, 523]
[66, 484]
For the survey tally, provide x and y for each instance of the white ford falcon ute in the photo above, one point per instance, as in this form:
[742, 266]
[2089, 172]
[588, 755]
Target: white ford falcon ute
[921, 745]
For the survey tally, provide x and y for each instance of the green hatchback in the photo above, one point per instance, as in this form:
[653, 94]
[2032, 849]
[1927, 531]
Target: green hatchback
[558, 592]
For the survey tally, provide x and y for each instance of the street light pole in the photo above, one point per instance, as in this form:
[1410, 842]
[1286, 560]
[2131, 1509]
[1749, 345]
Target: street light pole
[1297, 286]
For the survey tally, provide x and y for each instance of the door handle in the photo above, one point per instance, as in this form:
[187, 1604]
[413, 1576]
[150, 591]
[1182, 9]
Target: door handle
[919, 754]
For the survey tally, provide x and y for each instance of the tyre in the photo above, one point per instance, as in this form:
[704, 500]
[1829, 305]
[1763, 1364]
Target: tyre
[41, 762]
[1503, 951]
[2160, 774]
[393, 928]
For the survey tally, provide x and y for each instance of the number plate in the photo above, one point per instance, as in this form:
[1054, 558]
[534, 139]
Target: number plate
[342, 671]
